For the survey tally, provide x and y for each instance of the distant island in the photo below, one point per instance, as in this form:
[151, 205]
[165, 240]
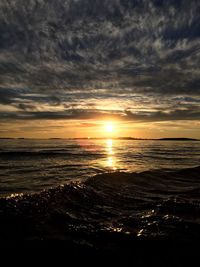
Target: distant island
[178, 139]
[133, 138]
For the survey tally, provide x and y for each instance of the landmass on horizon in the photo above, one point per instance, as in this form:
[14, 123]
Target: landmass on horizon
[105, 138]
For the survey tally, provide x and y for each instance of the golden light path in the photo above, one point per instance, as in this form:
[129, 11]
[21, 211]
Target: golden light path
[110, 159]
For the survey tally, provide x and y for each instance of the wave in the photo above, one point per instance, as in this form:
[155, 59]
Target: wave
[112, 207]
[16, 154]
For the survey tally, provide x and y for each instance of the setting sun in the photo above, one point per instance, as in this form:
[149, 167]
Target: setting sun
[109, 127]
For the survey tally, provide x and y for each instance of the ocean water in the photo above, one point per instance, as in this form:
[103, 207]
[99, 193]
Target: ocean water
[99, 194]
[33, 165]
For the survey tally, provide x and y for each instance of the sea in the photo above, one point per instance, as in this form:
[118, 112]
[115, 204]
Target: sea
[101, 194]
[29, 166]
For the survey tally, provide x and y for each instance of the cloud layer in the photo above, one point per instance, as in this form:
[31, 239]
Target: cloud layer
[83, 59]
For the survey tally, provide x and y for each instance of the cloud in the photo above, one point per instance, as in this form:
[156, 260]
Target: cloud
[7, 96]
[192, 113]
[177, 114]
[67, 59]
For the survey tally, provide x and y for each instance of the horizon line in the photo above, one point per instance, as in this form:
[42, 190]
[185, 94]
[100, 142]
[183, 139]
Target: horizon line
[100, 138]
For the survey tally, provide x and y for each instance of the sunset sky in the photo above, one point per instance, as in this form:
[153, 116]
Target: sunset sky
[68, 68]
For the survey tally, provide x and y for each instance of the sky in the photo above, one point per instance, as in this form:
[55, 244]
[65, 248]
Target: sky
[70, 67]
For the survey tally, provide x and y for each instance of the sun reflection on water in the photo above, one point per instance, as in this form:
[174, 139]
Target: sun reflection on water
[109, 147]
[111, 162]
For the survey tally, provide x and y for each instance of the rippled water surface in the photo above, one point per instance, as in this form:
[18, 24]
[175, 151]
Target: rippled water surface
[141, 190]
[34, 165]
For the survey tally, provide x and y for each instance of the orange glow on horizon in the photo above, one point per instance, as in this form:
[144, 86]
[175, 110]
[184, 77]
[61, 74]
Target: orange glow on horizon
[108, 128]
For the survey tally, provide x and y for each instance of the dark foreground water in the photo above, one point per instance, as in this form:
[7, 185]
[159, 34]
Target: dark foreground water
[109, 211]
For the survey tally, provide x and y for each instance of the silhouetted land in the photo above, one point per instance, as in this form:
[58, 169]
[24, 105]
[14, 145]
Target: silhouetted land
[133, 138]
[114, 138]
[178, 139]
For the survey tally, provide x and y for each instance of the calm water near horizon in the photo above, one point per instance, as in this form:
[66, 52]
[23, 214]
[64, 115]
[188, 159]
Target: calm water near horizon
[33, 165]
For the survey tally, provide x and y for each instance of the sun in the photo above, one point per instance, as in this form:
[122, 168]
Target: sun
[109, 127]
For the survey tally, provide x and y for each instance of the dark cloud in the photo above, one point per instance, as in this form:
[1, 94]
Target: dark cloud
[60, 115]
[177, 114]
[24, 97]
[127, 115]
[7, 96]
